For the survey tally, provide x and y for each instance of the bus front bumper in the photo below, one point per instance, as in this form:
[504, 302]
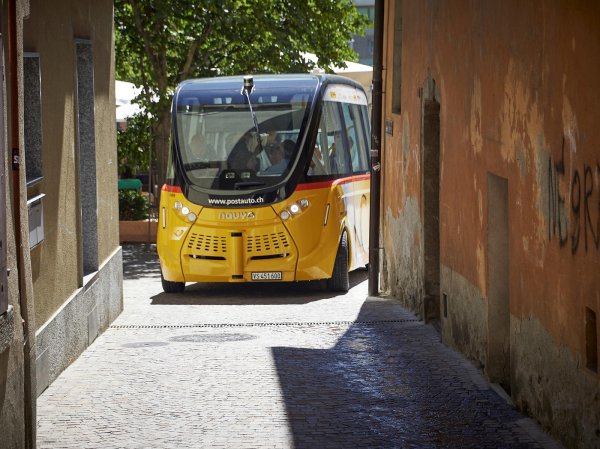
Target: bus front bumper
[217, 254]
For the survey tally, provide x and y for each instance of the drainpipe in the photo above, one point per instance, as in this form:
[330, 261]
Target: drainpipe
[15, 157]
[374, 217]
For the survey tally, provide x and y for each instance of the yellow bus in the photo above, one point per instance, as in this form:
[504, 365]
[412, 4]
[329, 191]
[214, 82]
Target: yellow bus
[268, 180]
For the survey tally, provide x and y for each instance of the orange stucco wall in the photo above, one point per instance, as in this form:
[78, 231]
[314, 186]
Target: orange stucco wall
[516, 82]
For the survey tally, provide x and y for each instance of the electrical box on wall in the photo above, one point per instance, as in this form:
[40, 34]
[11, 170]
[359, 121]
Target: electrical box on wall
[35, 206]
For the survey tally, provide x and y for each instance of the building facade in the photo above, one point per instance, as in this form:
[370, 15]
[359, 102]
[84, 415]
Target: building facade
[60, 188]
[490, 211]
[363, 45]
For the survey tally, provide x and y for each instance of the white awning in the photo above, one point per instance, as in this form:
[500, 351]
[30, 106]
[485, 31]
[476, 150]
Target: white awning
[360, 73]
[124, 94]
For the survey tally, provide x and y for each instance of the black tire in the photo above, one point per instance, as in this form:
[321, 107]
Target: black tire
[340, 280]
[172, 287]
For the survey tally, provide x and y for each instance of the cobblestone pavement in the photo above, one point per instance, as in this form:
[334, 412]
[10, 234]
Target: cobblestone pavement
[271, 366]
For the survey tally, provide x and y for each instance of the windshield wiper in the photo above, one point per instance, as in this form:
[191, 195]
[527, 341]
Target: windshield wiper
[245, 184]
[247, 89]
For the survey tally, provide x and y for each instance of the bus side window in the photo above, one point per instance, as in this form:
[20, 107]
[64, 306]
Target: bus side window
[356, 137]
[330, 156]
[317, 165]
[366, 135]
[337, 154]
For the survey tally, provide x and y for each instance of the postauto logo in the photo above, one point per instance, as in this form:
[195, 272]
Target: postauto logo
[242, 215]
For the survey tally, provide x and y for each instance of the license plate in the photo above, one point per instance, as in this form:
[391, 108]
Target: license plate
[266, 275]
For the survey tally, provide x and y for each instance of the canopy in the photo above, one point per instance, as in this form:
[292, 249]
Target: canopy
[124, 94]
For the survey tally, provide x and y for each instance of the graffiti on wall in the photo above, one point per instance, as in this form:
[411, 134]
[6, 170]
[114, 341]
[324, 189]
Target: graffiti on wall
[574, 215]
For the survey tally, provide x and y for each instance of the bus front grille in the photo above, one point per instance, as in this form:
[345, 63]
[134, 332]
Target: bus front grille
[207, 245]
[218, 244]
[273, 244]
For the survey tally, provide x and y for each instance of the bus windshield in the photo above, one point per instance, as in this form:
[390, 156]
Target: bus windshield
[219, 143]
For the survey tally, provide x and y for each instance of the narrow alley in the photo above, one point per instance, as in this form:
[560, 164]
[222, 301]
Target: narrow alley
[271, 366]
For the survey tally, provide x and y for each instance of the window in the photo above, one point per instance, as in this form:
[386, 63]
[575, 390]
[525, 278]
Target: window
[330, 156]
[368, 11]
[397, 63]
[86, 143]
[356, 137]
[35, 208]
[32, 116]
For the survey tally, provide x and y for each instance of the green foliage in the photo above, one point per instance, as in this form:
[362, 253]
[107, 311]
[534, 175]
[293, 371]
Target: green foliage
[132, 205]
[134, 144]
[160, 43]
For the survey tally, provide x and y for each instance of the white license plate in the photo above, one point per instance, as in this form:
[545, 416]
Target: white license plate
[266, 275]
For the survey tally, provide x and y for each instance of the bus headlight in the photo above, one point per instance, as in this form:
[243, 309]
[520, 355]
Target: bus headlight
[184, 212]
[294, 209]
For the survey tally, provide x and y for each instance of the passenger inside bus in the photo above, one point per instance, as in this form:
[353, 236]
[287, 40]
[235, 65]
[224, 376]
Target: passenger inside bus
[201, 149]
[279, 156]
[243, 156]
[317, 165]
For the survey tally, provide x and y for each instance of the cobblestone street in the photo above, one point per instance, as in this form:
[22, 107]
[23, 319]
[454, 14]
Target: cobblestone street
[271, 366]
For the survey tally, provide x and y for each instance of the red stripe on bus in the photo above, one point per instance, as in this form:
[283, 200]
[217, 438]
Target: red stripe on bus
[306, 186]
[332, 183]
[172, 189]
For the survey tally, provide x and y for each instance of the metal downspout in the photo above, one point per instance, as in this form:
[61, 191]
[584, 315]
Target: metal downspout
[374, 217]
[15, 157]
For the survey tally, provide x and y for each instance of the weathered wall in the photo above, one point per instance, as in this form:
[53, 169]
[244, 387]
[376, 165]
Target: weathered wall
[80, 320]
[17, 326]
[51, 30]
[77, 269]
[516, 83]
[465, 324]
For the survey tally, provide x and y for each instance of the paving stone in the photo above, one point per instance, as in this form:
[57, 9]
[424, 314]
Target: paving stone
[271, 366]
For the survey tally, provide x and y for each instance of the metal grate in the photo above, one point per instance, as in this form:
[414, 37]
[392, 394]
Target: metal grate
[267, 324]
[275, 242]
[211, 244]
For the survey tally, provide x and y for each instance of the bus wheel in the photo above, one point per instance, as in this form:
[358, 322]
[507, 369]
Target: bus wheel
[172, 287]
[340, 281]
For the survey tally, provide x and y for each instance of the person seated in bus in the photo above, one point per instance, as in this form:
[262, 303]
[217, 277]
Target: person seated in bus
[276, 154]
[268, 137]
[289, 147]
[317, 165]
[201, 149]
[243, 156]
[336, 161]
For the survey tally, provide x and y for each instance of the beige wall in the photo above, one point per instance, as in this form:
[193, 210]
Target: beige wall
[17, 326]
[516, 83]
[50, 31]
[54, 313]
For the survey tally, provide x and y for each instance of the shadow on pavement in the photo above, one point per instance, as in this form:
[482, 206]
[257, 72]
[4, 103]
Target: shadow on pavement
[247, 293]
[388, 383]
[140, 261]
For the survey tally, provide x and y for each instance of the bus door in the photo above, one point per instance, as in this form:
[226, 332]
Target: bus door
[357, 134]
[338, 160]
